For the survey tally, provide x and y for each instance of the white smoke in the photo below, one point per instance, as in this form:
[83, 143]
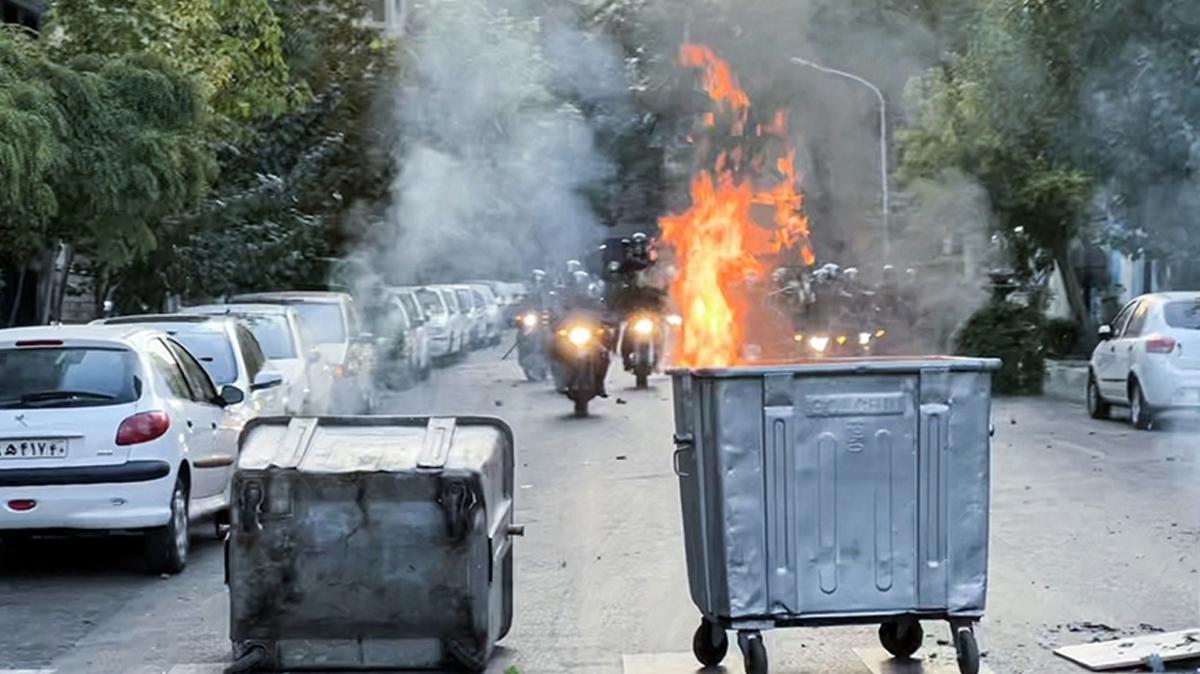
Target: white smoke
[493, 161]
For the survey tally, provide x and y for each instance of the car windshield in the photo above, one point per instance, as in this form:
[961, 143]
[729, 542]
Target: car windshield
[431, 302]
[68, 377]
[325, 321]
[1183, 315]
[272, 333]
[210, 345]
[410, 305]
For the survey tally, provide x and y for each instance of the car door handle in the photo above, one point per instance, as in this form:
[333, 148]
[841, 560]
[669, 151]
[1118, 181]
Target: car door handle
[190, 424]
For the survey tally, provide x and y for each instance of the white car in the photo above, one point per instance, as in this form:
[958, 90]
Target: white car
[228, 352]
[472, 307]
[111, 429]
[285, 340]
[1148, 359]
[493, 314]
[441, 330]
[417, 332]
[347, 351]
[459, 321]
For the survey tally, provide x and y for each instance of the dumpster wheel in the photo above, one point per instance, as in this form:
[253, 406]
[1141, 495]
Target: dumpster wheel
[901, 638]
[710, 643]
[968, 650]
[754, 652]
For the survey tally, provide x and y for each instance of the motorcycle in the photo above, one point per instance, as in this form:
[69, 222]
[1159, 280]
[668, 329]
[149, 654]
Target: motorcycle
[532, 327]
[641, 346]
[580, 355]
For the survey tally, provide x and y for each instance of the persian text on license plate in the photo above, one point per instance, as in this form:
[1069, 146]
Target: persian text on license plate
[44, 448]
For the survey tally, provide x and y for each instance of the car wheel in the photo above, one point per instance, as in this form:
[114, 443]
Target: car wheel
[1097, 406]
[166, 547]
[1140, 413]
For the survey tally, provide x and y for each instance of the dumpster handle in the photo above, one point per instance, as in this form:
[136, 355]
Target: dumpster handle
[683, 443]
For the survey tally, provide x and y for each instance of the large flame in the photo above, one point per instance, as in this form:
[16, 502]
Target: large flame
[718, 246]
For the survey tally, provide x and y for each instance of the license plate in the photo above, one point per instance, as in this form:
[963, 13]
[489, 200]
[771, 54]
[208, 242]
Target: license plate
[43, 448]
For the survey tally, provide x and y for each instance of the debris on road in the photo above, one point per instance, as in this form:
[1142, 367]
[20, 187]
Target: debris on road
[622, 401]
[1128, 652]
[621, 457]
[499, 403]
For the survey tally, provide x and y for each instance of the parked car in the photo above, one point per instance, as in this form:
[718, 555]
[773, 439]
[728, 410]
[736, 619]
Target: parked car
[228, 352]
[287, 344]
[443, 338]
[476, 321]
[346, 349]
[460, 322]
[493, 315]
[399, 362]
[112, 429]
[1148, 359]
[416, 316]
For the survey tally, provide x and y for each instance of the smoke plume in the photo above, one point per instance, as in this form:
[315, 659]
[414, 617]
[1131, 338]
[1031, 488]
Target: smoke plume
[494, 162]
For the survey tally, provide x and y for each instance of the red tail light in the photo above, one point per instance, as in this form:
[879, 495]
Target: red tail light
[143, 427]
[1160, 345]
[22, 504]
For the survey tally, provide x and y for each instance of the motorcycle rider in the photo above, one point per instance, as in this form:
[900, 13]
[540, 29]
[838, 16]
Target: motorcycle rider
[581, 303]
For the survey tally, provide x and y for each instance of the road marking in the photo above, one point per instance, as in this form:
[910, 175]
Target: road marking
[880, 661]
[1077, 447]
[679, 663]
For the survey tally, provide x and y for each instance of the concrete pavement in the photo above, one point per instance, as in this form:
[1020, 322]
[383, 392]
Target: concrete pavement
[1092, 522]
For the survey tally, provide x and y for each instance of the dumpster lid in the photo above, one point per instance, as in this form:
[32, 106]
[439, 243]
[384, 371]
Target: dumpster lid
[367, 444]
[822, 366]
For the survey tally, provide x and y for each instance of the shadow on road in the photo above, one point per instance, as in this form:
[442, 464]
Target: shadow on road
[92, 556]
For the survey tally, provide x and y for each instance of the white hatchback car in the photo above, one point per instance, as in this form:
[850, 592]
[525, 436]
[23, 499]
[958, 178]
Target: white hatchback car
[286, 343]
[1148, 359]
[111, 429]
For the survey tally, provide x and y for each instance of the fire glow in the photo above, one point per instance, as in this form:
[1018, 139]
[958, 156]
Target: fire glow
[719, 248]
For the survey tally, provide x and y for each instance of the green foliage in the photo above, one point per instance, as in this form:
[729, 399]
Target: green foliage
[234, 47]
[100, 150]
[1013, 333]
[32, 148]
[1061, 338]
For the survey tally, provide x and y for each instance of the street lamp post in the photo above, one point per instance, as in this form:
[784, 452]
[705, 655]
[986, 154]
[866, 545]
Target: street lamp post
[883, 143]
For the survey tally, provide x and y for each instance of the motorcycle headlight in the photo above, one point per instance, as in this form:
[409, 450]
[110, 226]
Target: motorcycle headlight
[643, 326]
[842, 340]
[579, 336]
[864, 338]
[880, 334]
[529, 320]
[675, 320]
[819, 344]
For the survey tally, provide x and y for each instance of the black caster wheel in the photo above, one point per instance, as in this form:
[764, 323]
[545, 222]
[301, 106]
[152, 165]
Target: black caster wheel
[710, 644]
[901, 638]
[754, 652]
[968, 651]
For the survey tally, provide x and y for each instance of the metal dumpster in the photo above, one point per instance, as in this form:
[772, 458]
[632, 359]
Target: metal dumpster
[839, 491]
[371, 543]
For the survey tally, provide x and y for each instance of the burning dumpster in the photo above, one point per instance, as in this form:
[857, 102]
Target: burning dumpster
[835, 492]
[371, 543]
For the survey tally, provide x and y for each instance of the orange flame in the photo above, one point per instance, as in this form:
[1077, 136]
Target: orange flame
[717, 243]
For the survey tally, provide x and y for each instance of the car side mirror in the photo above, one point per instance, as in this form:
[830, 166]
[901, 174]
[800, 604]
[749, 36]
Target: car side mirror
[266, 379]
[231, 395]
[314, 355]
[1105, 333]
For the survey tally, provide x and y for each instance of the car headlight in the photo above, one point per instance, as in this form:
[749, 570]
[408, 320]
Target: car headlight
[819, 344]
[529, 320]
[864, 338]
[643, 326]
[675, 320]
[579, 336]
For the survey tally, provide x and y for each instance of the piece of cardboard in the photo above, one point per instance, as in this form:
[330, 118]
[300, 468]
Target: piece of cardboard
[1134, 651]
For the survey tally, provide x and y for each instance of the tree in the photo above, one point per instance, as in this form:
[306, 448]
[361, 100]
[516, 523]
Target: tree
[234, 47]
[1001, 113]
[114, 145]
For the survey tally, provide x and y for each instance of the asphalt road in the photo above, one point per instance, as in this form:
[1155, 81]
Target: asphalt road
[1092, 522]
